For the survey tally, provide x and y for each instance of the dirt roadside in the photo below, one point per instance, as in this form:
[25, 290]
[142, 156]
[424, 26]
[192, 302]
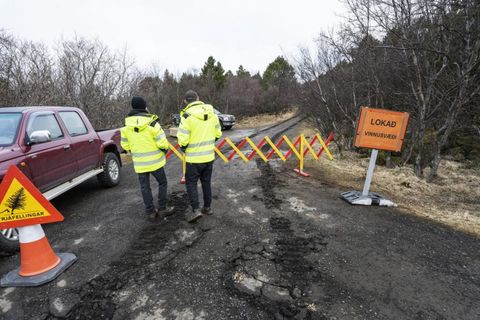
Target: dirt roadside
[452, 199]
[265, 119]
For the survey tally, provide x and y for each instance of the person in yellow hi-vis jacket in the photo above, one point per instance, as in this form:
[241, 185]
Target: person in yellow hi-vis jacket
[143, 137]
[198, 130]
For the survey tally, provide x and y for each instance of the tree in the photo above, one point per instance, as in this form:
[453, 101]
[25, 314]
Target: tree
[426, 63]
[92, 77]
[278, 72]
[215, 71]
[241, 72]
[18, 200]
[280, 83]
[213, 78]
[150, 88]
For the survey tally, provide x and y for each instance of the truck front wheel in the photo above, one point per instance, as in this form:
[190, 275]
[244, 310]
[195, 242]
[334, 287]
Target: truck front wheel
[9, 241]
[111, 170]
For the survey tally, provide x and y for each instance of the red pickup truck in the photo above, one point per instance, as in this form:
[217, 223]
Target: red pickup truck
[57, 148]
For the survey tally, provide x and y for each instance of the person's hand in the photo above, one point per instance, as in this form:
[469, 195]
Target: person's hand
[184, 149]
[164, 150]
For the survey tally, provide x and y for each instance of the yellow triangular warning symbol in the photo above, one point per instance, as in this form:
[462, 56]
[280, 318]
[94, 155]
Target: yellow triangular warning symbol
[19, 204]
[22, 204]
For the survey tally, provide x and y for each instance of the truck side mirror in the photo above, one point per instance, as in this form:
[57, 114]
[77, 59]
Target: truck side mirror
[39, 136]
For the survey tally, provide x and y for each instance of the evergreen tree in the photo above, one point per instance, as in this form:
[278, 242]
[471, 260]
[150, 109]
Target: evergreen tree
[17, 201]
[278, 72]
[214, 69]
[208, 67]
[241, 72]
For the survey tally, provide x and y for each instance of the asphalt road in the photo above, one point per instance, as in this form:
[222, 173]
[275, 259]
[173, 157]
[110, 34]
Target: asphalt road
[277, 247]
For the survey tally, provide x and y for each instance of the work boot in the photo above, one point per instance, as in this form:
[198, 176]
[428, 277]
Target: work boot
[167, 211]
[194, 216]
[152, 216]
[207, 210]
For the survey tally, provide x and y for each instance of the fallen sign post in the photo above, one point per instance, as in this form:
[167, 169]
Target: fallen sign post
[377, 129]
[23, 206]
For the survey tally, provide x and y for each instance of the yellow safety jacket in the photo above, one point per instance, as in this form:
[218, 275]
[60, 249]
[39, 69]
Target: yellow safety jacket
[198, 130]
[145, 139]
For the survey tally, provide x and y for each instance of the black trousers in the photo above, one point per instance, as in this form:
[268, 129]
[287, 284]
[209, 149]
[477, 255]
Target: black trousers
[202, 171]
[144, 179]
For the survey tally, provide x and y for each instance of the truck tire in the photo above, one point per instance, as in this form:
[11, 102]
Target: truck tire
[9, 241]
[110, 176]
[227, 127]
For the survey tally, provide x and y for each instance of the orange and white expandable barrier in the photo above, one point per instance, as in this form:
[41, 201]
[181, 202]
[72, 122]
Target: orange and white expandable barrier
[300, 148]
[38, 262]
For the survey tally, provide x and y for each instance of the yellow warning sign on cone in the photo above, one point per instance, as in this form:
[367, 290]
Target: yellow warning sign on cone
[24, 207]
[22, 204]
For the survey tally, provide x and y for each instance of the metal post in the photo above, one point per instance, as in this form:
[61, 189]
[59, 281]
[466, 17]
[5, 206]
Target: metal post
[371, 167]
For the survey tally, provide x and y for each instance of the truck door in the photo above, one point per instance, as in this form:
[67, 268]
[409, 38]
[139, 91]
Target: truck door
[51, 162]
[85, 144]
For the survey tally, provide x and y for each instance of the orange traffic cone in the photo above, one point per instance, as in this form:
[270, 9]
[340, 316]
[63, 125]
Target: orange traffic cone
[38, 263]
[36, 254]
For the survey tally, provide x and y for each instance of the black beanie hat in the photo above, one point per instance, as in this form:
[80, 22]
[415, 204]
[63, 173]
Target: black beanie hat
[191, 96]
[139, 103]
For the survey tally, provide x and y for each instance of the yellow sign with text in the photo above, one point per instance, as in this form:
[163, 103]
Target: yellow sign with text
[22, 204]
[19, 204]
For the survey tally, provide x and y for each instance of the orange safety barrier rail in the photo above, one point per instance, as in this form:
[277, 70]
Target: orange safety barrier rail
[300, 148]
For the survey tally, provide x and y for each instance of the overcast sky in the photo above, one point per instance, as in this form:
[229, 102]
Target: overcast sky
[178, 35]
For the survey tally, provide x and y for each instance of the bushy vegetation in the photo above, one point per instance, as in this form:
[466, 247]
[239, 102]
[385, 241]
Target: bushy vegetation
[420, 56]
[89, 75]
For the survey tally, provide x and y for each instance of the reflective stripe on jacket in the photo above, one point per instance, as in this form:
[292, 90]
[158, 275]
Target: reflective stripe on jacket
[144, 138]
[198, 130]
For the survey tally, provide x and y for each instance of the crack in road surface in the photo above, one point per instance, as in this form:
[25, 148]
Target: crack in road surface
[268, 183]
[157, 244]
[280, 276]
[279, 273]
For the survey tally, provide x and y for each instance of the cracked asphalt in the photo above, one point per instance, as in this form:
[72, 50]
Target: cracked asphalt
[277, 247]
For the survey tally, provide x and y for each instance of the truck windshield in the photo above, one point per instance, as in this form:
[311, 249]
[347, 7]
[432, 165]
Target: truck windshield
[9, 127]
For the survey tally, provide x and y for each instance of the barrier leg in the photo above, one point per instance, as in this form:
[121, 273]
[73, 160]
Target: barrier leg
[301, 158]
[184, 169]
